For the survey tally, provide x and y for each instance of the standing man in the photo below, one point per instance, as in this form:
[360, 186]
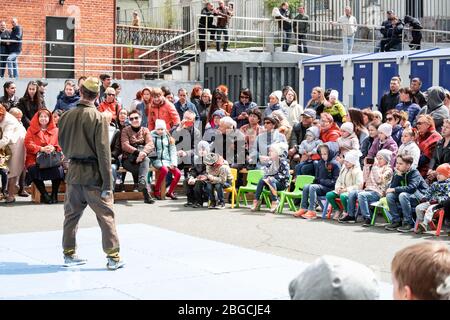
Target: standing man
[83, 136]
[285, 25]
[222, 25]
[418, 96]
[205, 24]
[390, 99]
[416, 34]
[4, 37]
[301, 28]
[106, 83]
[349, 27]
[386, 27]
[14, 49]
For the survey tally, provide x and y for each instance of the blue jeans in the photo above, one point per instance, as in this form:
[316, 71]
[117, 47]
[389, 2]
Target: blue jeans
[219, 189]
[405, 202]
[13, 68]
[262, 185]
[310, 192]
[365, 198]
[304, 168]
[286, 39]
[348, 44]
[352, 197]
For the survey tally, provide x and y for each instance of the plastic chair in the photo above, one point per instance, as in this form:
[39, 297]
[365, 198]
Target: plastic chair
[328, 209]
[440, 214]
[300, 182]
[232, 189]
[265, 195]
[253, 177]
[383, 206]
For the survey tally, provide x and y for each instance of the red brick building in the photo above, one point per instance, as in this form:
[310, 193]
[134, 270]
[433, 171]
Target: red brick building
[89, 24]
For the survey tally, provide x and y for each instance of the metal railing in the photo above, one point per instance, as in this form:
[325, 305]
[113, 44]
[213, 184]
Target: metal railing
[326, 38]
[143, 36]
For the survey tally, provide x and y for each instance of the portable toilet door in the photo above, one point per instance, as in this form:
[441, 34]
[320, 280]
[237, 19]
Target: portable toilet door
[422, 67]
[362, 85]
[311, 79]
[334, 78]
[444, 73]
[386, 70]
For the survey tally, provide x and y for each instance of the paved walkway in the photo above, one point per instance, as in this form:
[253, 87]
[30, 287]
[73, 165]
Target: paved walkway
[161, 264]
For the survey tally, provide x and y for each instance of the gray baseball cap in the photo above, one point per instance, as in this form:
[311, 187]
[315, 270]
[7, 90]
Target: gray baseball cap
[335, 278]
[310, 113]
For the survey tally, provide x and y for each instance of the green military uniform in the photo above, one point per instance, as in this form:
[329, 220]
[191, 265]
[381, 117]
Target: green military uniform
[83, 137]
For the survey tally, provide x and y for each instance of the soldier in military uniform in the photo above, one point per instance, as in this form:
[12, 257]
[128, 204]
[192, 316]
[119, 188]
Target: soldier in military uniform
[83, 137]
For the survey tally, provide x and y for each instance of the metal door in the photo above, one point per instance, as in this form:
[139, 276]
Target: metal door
[334, 78]
[386, 70]
[311, 79]
[423, 69]
[59, 52]
[362, 85]
[444, 73]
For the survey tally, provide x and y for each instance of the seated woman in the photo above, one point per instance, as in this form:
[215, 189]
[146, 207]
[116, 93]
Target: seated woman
[276, 175]
[165, 159]
[253, 128]
[427, 138]
[384, 141]
[394, 118]
[42, 136]
[326, 173]
[68, 100]
[137, 144]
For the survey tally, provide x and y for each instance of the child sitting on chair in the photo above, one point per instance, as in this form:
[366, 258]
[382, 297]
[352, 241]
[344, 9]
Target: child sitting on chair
[196, 179]
[435, 196]
[347, 141]
[326, 173]
[350, 178]
[307, 150]
[276, 175]
[218, 178]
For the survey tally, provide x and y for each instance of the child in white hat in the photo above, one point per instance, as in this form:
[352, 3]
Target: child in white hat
[347, 141]
[335, 108]
[350, 178]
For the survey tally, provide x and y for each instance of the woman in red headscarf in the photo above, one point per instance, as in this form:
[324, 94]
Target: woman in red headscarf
[427, 138]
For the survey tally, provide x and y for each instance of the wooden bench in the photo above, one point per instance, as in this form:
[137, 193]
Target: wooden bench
[129, 194]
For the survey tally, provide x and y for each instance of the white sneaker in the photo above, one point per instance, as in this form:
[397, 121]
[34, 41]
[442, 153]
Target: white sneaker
[73, 260]
[114, 265]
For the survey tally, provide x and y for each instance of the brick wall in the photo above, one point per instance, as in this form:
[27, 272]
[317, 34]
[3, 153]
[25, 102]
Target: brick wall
[94, 24]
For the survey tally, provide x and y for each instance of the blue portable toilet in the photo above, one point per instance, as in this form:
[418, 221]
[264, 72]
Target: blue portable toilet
[422, 65]
[441, 63]
[376, 68]
[325, 71]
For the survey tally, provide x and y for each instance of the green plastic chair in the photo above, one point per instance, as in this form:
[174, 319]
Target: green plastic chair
[286, 196]
[382, 206]
[265, 195]
[253, 177]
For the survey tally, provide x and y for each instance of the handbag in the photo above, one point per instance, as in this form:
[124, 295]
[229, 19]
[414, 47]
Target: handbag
[48, 160]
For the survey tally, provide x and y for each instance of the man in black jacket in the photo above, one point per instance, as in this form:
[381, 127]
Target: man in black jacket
[14, 49]
[391, 99]
[205, 25]
[418, 96]
[285, 25]
[4, 36]
[416, 34]
[301, 28]
[386, 26]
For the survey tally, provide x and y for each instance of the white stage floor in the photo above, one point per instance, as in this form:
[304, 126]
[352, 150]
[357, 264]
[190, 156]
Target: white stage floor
[161, 264]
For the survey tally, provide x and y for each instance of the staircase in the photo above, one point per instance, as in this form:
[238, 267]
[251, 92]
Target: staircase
[176, 59]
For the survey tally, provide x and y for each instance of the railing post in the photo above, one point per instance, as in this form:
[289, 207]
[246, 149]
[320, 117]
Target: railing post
[197, 76]
[434, 38]
[84, 60]
[121, 62]
[263, 34]
[158, 62]
[43, 60]
[206, 34]
[321, 39]
[373, 38]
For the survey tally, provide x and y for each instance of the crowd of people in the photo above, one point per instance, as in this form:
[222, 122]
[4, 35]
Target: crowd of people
[357, 157]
